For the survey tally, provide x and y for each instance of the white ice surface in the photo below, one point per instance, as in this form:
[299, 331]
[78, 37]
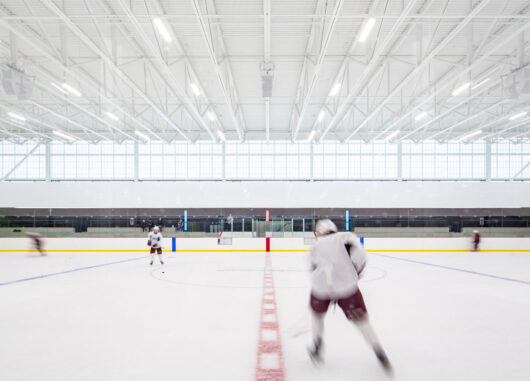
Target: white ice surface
[199, 319]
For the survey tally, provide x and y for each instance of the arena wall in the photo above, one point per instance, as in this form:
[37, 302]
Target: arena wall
[263, 194]
[258, 244]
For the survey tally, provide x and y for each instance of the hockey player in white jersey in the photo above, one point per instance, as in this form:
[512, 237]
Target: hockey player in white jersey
[154, 239]
[337, 262]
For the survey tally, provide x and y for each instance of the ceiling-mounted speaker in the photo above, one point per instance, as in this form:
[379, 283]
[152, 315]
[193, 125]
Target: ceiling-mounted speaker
[267, 77]
[16, 82]
[517, 82]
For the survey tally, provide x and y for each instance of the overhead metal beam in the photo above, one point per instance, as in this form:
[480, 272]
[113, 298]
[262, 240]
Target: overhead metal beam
[173, 81]
[513, 126]
[267, 58]
[305, 96]
[465, 120]
[357, 16]
[450, 111]
[27, 129]
[5, 131]
[223, 73]
[364, 79]
[445, 83]
[108, 61]
[67, 120]
[89, 82]
[412, 74]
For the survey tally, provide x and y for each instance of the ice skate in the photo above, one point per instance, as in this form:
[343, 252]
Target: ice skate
[314, 352]
[383, 359]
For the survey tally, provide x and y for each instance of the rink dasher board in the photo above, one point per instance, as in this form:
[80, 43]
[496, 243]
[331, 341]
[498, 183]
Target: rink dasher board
[261, 251]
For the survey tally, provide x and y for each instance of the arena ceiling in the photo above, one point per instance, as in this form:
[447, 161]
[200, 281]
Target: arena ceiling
[265, 70]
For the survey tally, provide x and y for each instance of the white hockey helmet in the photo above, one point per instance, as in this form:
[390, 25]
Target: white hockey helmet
[326, 226]
[156, 229]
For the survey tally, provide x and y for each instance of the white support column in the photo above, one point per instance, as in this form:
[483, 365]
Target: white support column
[48, 162]
[136, 161]
[487, 161]
[311, 160]
[399, 163]
[224, 161]
[267, 58]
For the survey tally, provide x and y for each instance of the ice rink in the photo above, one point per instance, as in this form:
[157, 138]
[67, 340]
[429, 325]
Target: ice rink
[110, 316]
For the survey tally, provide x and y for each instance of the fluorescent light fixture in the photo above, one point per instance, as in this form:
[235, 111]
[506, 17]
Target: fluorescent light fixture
[112, 116]
[421, 116]
[195, 89]
[367, 28]
[162, 29]
[517, 116]
[321, 116]
[471, 135]
[210, 115]
[141, 135]
[392, 135]
[335, 89]
[461, 89]
[16, 116]
[71, 89]
[59, 88]
[311, 136]
[481, 83]
[221, 135]
[64, 136]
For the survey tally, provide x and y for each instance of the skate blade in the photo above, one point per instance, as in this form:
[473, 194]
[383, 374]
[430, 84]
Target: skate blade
[316, 360]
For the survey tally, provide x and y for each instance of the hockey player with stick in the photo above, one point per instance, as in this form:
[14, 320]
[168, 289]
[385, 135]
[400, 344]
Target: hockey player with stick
[154, 239]
[37, 242]
[337, 262]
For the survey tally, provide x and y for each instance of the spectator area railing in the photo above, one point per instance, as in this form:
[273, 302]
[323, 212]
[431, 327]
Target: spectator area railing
[170, 232]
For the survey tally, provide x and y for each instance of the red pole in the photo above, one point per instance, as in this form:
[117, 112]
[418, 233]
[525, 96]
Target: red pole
[268, 244]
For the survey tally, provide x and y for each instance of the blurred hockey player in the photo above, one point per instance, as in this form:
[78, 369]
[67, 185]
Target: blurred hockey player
[154, 239]
[476, 240]
[37, 242]
[337, 262]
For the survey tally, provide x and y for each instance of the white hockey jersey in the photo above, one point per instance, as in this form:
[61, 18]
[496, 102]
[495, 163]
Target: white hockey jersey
[156, 239]
[336, 260]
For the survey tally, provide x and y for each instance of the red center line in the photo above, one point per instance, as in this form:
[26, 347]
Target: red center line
[269, 365]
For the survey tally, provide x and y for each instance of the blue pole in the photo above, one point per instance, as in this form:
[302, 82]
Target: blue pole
[173, 244]
[347, 220]
[185, 220]
[362, 241]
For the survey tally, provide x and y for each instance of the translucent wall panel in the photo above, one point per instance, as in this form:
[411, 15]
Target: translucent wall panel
[443, 161]
[180, 161]
[33, 167]
[265, 161]
[84, 161]
[509, 160]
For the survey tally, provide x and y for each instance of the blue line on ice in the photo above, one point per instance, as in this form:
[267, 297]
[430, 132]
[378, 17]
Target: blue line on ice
[69, 271]
[455, 269]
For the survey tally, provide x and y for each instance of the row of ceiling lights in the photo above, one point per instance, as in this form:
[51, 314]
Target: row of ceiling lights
[166, 36]
[66, 88]
[422, 115]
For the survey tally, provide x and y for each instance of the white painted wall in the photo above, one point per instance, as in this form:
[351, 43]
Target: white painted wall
[259, 244]
[262, 194]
